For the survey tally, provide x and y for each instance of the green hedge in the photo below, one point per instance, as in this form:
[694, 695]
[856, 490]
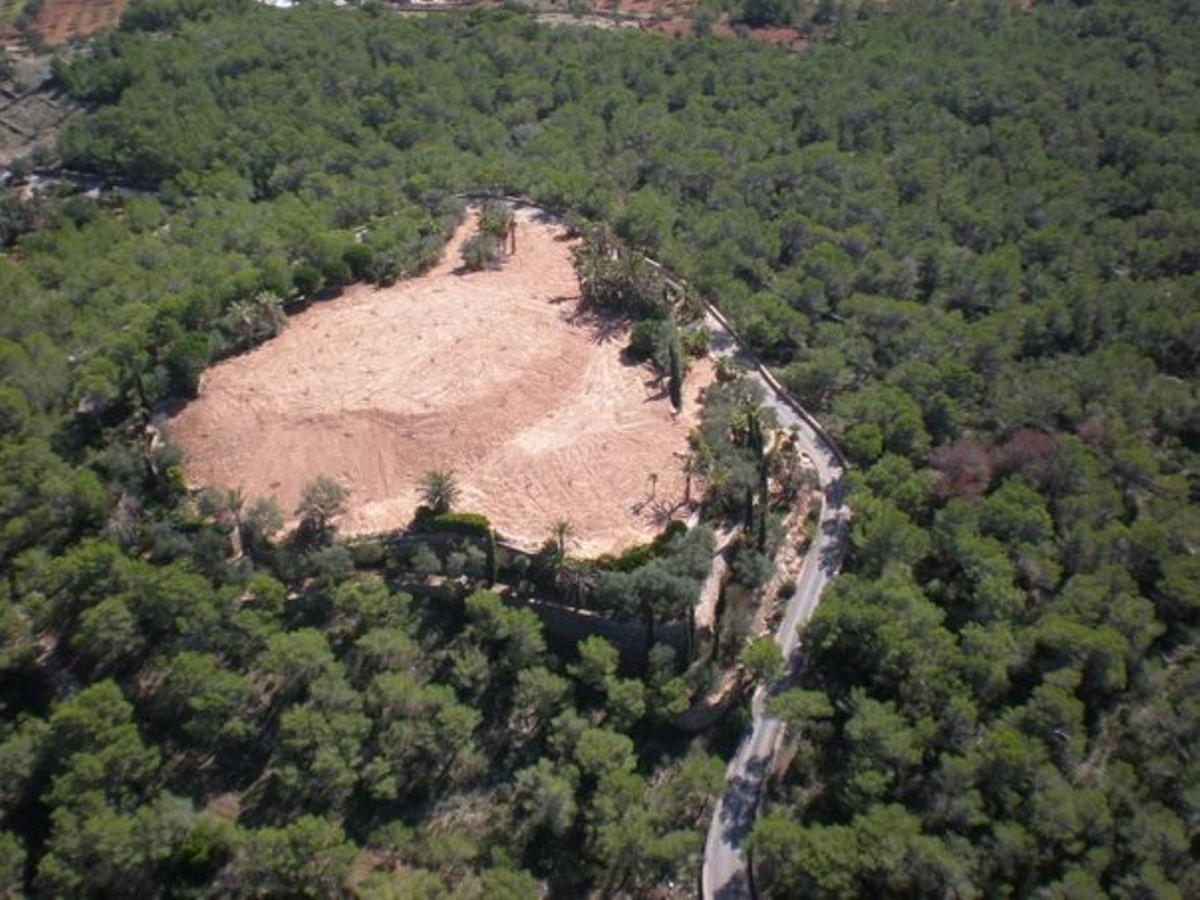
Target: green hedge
[636, 557]
[459, 522]
[472, 522]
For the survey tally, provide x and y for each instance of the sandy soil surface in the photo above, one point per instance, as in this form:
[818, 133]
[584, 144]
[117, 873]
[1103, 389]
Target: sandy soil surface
[495, 375]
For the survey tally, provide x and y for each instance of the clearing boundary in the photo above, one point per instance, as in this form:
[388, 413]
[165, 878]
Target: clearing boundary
[499, 376]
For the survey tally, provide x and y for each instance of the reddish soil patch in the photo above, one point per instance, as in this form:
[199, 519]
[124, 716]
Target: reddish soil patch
[673, 18]
[782, 37]
[673, 27]
[59, 20]
[495, 375]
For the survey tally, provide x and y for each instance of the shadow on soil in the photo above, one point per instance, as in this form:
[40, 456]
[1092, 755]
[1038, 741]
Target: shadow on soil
[601, 328]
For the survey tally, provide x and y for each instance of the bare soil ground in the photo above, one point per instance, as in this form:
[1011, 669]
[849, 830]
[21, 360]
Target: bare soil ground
[674, 18]
[496, 375]
[59, 20]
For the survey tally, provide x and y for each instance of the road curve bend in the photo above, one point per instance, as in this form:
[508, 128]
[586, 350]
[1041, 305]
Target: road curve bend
[726, 870]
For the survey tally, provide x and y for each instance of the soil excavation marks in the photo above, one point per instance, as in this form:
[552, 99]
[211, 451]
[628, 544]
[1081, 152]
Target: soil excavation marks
[495, 375]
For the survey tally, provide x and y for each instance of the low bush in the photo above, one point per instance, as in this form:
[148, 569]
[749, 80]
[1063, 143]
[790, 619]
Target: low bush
[475, 524]
[495, 219]
[696, 340]
[482, 251]
[645, 339]
[636, 557]
[424, 562]
[368, 554]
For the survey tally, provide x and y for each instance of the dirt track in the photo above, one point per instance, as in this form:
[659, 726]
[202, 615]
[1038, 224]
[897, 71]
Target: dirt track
[495, 375]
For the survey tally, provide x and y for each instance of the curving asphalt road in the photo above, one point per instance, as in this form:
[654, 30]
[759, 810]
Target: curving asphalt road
[726, 870]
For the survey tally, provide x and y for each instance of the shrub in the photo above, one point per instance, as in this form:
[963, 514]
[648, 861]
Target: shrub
[751, 569]
[321, 501]
[494, 219]
[727, 369]
[476, 564]
[474, 524]
[369, 554]
[331, 564]
[184, 363]
[636, 557]
[481, 251]
[424, 561]
[762, 659]
[645, 339]
[624, 284]
[456, 564]
[697, 340]
[357, 258]
[386, 266]
[336, 273]
[307, 279]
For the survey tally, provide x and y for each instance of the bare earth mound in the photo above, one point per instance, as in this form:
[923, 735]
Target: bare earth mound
[494, 375]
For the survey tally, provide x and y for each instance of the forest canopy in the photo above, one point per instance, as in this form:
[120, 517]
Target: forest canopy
[966, 235]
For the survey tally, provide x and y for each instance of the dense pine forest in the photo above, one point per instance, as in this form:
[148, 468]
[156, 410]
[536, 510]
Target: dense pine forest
[966, 235]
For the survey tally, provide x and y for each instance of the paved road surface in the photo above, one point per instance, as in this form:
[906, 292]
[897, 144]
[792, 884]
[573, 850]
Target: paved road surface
[726, 871]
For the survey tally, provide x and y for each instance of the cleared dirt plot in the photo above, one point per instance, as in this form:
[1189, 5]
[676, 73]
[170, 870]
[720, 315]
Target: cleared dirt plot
[58, 20]
[495, 375]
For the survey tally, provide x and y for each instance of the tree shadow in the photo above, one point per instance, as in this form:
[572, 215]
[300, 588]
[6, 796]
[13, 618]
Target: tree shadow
[741, 799]
[658, 388]
[722, 342]
[662, 511]
[603, 328]
[171, 406]
[463, 269]
[830, 558]
[736, 888]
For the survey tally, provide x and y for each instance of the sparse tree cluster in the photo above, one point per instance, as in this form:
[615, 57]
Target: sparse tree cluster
[617, 280]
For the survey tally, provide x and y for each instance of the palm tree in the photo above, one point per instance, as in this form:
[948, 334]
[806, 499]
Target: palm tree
[562, 531]
[749, 420]
[321, 501]
[438, 490]
[235, 504]
[690, 466]
[225, 509]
